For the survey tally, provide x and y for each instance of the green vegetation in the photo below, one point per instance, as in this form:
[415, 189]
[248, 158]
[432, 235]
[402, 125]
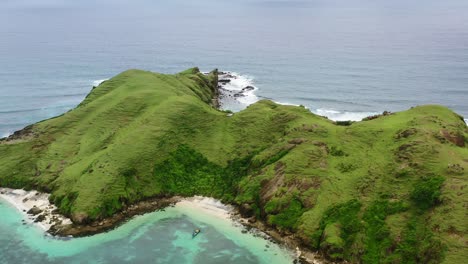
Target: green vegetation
[392, 189]
[427, 192]
[187, 172]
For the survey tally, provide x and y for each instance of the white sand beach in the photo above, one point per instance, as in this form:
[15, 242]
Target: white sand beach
[24, 201]
[208, 206]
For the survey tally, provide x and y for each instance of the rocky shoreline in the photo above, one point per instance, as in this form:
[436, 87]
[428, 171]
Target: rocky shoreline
[303, 254]
[255, 227]
[36, 208]
[106, 224]
[41, 212]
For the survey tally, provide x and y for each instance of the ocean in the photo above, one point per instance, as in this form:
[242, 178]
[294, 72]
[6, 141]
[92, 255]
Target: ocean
[345, 59]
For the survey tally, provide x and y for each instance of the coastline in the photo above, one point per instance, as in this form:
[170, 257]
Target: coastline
[303, 255]
[35, 207]
[24, 201]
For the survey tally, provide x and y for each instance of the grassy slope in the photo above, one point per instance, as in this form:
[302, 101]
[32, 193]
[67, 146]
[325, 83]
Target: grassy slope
[385, 189]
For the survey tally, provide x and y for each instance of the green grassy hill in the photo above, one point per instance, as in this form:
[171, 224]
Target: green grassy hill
[390, 190]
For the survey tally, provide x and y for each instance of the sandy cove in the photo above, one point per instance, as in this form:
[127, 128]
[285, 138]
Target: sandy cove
[56, 224]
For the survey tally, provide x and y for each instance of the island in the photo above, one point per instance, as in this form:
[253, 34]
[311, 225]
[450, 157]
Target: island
[388, 189]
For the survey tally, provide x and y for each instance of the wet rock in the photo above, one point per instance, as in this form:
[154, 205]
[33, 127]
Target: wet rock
[40, 218]
[230, 76]
[246, 210]
[34, 211]
[248, 88]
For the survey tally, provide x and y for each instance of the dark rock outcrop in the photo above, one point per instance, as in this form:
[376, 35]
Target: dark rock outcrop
[34, 211]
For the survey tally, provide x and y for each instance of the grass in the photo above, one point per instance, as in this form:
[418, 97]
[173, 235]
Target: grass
[390, 189]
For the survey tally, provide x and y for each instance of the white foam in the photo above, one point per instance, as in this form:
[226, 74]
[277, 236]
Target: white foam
[336, 115]
[235, 97]
[25, 200]
[7, 134]
[282, 103]
[98, 82]
[235, 90]
[343, 115]
[246, 97]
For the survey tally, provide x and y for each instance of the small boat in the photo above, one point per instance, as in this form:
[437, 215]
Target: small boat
[196, 232]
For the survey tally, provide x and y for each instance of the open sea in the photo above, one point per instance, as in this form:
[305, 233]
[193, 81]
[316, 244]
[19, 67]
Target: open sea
[345, 59]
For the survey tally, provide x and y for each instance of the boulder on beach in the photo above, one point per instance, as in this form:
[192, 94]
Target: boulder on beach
[40, 218]
[246, 210]
[34, 211]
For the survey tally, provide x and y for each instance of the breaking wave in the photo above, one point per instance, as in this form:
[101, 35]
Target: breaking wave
[238, 91]
[98, 82]
[343, 115]
[6, 134]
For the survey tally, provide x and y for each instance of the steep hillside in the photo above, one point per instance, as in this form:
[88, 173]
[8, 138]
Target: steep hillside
[391, 189]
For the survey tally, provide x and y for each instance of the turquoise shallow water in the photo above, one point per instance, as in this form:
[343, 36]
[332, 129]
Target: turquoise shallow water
[159, 237]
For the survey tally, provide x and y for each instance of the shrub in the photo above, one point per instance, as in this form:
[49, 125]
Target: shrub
[344, 123]
[334, 151]
[288, 217]
[345, 214]
[419, 245]
[426, 192]
[187, 172]
[346, 167]
[378, 241]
